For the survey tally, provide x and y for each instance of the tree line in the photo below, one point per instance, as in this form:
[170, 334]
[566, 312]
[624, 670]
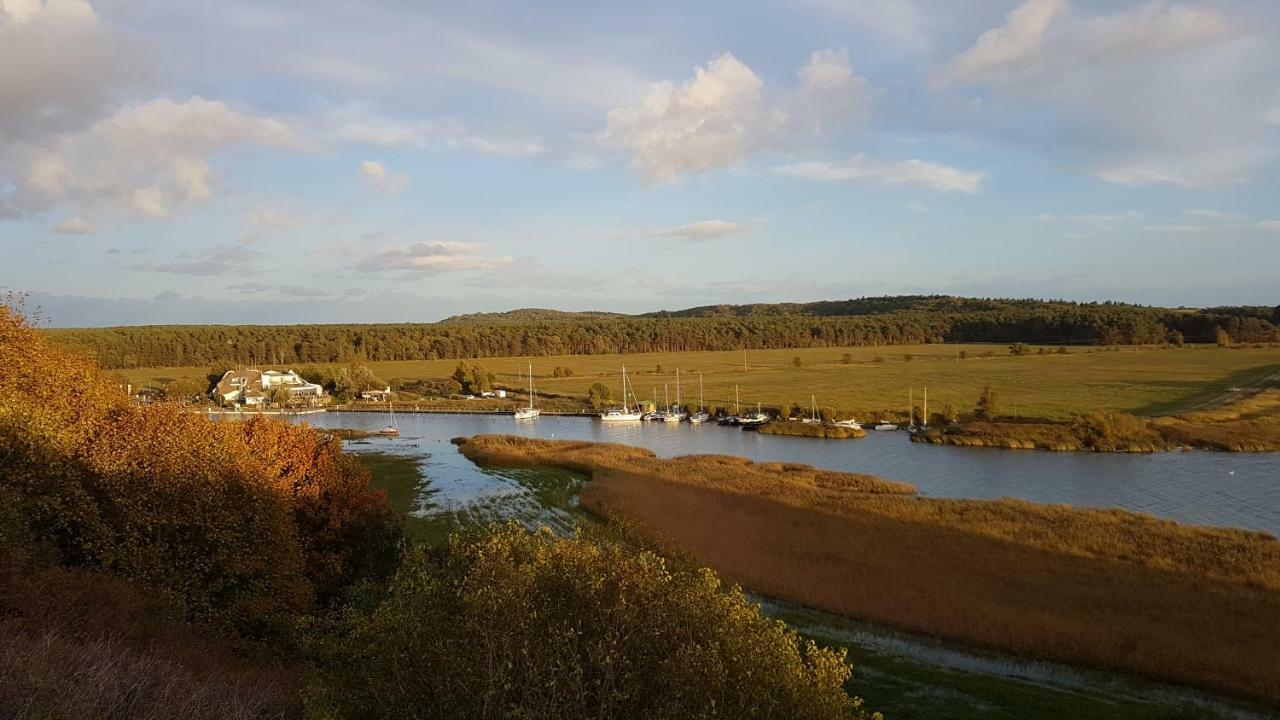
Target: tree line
[887, 321]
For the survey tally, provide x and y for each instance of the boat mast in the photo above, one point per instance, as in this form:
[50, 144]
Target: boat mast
[624, 388]
[911, 406]
[666, 397]
[530, 386]
[924, 421]
[677, 389]
[813, 408]
[736, 410]
[702, 405]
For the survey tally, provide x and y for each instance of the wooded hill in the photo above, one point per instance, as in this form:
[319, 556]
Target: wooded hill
[861, 322]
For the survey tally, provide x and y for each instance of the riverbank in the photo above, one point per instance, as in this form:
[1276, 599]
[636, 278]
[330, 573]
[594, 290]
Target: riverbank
[1108, 589]
[813, 430]
[1249, 424]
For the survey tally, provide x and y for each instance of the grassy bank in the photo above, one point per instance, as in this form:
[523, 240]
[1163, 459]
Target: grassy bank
[873, 383]
[1251, 424]
[813, 430]
[1110, 589]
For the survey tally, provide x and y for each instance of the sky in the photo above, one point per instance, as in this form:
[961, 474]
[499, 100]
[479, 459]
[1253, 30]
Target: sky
[171, 161]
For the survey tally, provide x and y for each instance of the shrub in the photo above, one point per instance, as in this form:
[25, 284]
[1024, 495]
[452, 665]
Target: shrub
[526, 625]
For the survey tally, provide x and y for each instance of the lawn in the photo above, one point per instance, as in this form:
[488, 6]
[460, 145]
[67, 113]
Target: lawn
[876, 380]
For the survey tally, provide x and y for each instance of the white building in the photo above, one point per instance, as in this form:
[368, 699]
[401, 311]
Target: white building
[254, 387]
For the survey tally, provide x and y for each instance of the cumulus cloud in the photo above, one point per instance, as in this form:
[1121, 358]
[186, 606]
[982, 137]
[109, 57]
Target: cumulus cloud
[863, 169]
[725, 113]
[704, 123]
[382, 179]
[442, 256]
[703, 230]
[148, 159]
[1160, 93]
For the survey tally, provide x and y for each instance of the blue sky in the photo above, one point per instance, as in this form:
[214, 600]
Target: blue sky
[166, 161]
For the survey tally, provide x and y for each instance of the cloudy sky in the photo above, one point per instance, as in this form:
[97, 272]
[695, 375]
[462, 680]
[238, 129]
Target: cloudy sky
[236, 161]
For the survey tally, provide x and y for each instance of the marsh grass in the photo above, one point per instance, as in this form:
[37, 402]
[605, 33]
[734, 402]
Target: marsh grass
[813, 430]
[1104, 588]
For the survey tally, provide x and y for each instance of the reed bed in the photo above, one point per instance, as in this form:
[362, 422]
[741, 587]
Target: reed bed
[1104, 588]
[813, 430]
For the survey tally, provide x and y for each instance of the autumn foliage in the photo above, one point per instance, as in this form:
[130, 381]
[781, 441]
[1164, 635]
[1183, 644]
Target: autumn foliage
[243, 523]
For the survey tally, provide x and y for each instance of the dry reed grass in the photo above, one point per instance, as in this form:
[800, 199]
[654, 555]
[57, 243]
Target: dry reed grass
[1105, 588]
[813, 430]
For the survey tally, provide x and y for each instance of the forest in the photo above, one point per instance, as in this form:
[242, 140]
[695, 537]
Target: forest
[862, 322]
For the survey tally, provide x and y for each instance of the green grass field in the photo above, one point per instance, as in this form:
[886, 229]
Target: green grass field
[1144, 381]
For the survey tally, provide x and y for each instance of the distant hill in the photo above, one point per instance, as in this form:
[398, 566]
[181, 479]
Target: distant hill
[871, 306]
[529, 315]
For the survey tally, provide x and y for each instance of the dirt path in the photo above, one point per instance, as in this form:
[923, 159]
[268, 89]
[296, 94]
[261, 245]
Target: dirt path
[1239, 393]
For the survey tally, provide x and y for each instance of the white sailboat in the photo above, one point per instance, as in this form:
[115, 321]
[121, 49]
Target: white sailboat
[625, 414]
[813, 411]
[755, 419]
[731, 419]
[393, 429]
[701, 416]
[531, 412]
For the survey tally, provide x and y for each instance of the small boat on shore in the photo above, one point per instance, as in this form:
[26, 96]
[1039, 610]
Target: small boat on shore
[755, 419]
[886, 425]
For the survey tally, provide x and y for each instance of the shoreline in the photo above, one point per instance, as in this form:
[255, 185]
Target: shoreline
[1084, 587]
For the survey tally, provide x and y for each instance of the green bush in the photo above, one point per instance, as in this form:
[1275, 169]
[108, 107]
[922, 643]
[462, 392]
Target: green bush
[515, 624]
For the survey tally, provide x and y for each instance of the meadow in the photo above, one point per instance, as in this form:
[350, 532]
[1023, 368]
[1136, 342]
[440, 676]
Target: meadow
[873, 382]
[1102, 588]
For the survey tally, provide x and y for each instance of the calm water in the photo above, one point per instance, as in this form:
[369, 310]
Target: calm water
[1227, 489]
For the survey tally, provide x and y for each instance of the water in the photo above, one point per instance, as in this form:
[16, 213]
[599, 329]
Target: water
[1204, 488]
[910, 676]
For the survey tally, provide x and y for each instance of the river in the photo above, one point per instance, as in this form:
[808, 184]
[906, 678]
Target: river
[907, 676]
[1203, 488]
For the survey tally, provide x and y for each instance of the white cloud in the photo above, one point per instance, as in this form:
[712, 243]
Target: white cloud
[1125, 216]
[382, 179]
[828, 91]
[74, 225]
[703, 230]
[1269, 226]
[725, 113]
[862, 169]
[434, 257]
[708, 122]
[1005, 50]
[149, 159]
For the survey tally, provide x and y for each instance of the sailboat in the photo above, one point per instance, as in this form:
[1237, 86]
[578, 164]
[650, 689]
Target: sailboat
[813, 411]
[673, 413]
[625, 414]
[755, 419]
[701, 416]
[731, 419]
[911, 411]
[393, 429]
[530, 412]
